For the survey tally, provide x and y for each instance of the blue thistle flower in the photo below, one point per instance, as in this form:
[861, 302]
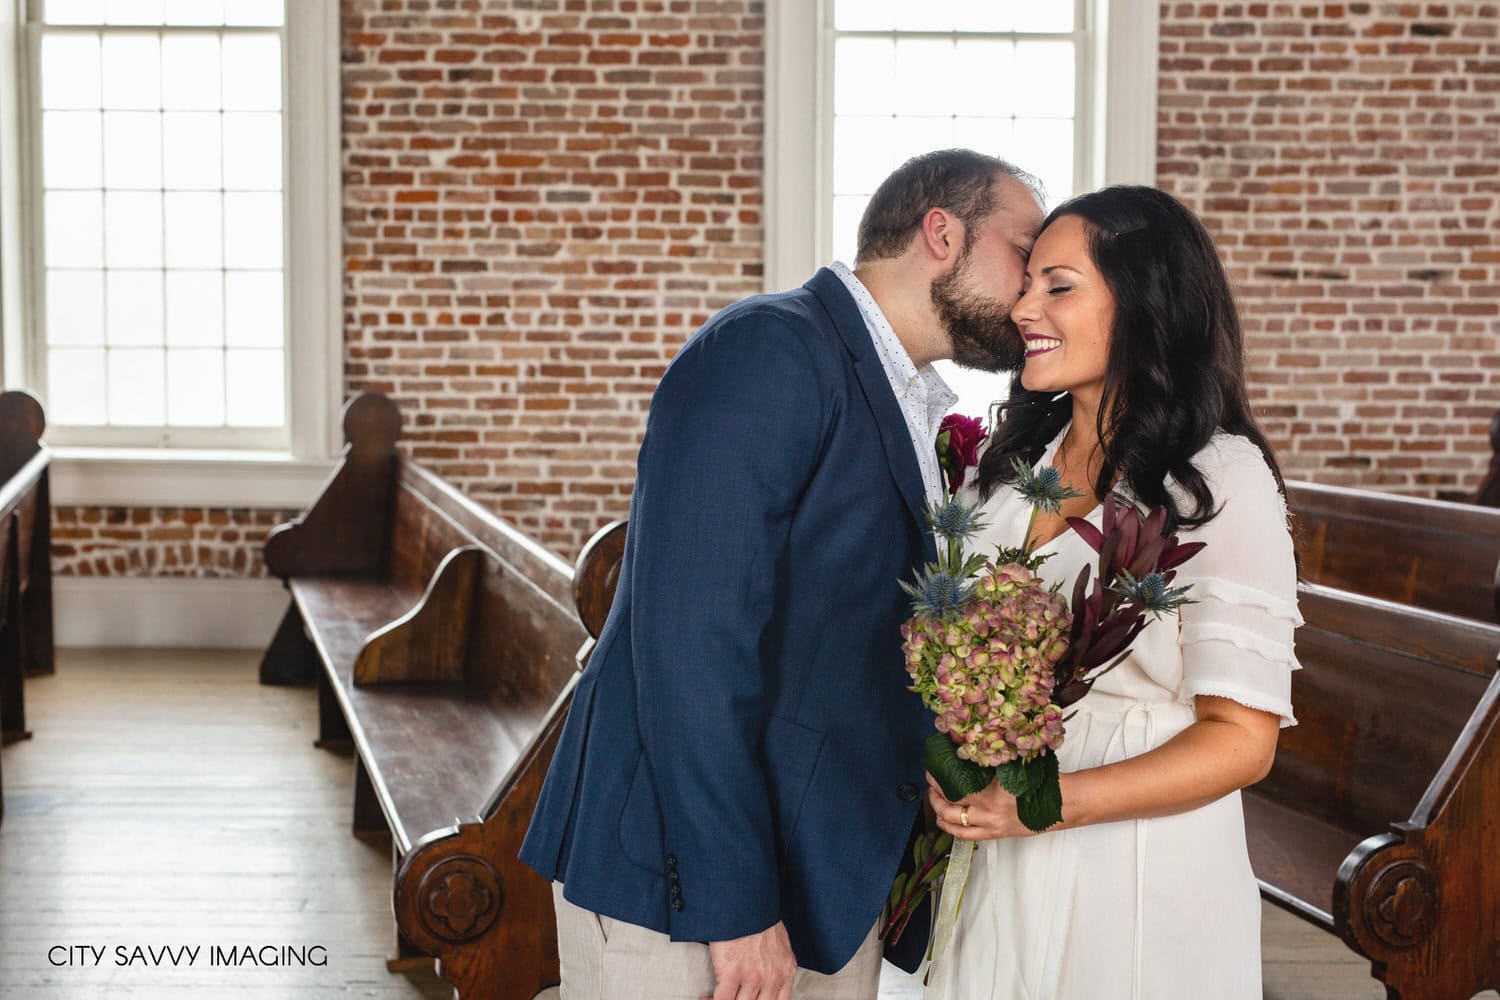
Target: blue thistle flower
[1042, 488]
[938, 593]
[954, 520]
[1151, 593]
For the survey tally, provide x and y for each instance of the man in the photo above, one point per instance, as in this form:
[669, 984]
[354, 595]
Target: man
[742, 766]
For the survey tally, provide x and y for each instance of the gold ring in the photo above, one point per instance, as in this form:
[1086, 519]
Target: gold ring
[963, 815]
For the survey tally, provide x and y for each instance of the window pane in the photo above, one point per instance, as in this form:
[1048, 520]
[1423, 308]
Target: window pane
[252, 151]
[923, 76]
[863, 15]
[70, 71]
[252, 230]
[190, 72]
[70, 149]
[75, 11]
[253, 311]
[986, 135]
[133, 11]
[134, 308]
[132, 234]
[1044, 74]
[1045, 147]
[267, 12]
[136, 389]
[252, 73]
[132, 149]
[913, 136]
[195, 238]
[132, 72]
[862, 154]
[75, 308]
[191, 143]
[846, 215]
[257, 388]
[195, 388]
[984, 78]
[863, 71]
[195, 308]
[75, 387]
[195, 11]
[932, 15]
[1044, 16]
[75, 228]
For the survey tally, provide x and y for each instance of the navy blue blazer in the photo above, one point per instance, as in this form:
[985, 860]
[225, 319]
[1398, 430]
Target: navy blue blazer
[742, 747]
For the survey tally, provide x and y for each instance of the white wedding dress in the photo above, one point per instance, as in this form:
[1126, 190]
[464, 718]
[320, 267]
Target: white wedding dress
[1161, 908]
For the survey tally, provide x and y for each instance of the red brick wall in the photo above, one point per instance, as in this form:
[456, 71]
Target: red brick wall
[162, 541]
[1346, 157]
[543, 198]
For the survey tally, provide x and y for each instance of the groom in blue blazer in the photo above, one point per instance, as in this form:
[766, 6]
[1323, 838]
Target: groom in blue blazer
[741, 769]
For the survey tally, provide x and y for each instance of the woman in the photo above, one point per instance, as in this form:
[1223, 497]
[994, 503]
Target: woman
[1134, 383]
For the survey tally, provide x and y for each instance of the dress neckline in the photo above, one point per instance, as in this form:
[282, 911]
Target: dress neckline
[1047, 455]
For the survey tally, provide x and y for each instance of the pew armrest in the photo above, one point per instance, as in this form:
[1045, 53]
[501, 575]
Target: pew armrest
[1422, 901]
[427, 643]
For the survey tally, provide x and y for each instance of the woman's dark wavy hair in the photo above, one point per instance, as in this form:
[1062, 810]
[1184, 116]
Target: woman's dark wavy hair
[1176, 368]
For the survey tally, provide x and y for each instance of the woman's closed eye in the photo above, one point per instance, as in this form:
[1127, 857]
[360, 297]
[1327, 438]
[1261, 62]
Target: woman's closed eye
[1059, 289]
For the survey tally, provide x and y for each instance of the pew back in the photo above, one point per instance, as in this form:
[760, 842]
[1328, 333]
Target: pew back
[1427, 553]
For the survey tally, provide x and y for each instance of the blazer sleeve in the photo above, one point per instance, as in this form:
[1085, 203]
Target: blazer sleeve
[735, 432]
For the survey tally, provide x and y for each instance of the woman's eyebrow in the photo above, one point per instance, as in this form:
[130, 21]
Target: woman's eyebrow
[1060, 267]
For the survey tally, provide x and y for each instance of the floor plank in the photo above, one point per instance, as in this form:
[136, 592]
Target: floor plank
[168, 798]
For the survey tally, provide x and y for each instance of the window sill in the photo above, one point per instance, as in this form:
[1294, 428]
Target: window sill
[143, 477]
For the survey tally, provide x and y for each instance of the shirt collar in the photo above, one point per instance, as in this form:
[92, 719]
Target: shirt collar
[906, 378]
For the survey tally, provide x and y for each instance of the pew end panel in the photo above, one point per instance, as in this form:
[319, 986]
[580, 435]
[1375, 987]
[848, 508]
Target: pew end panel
[455, 887]
[1387, 702]
[1422, 901]
[341, 533]
[24, 470]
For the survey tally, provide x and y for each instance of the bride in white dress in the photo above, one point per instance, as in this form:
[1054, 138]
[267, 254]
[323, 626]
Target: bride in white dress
[1145, 889]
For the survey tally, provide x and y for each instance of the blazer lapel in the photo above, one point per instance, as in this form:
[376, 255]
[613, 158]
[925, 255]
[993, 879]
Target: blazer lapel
[894, 436]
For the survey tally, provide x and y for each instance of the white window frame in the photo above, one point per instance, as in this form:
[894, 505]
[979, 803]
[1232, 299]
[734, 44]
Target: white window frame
[207, 476]
[1115, 140]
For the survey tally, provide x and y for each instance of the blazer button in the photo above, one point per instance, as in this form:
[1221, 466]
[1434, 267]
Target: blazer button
[907, 791]
[677, 904]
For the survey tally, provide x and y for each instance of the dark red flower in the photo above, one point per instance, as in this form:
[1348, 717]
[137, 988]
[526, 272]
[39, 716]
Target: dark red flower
[959, 438]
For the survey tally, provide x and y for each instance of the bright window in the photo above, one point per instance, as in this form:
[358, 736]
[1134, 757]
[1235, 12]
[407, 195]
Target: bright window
[159, 296]
[998, 76]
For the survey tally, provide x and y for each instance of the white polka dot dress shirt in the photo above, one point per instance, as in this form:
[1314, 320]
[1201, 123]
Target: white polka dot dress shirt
[924, 397]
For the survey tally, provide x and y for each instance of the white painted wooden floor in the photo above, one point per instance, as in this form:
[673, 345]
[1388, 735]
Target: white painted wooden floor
[169, 799]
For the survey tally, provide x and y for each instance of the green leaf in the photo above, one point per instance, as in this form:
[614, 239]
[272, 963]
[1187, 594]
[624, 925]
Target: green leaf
[936, 872]
[898, 889]
[958, 778]
[943, 845]
[1042, 807]
[1022, 777]
[919, 852]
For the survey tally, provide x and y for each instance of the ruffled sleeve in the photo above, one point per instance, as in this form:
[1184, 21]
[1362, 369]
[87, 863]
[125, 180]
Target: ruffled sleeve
[1237, 638]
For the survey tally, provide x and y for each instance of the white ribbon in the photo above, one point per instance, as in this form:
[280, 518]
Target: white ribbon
[955, 881]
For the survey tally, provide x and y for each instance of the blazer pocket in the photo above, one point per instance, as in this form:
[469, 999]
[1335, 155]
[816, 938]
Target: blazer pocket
[791, 755]
[641, 832]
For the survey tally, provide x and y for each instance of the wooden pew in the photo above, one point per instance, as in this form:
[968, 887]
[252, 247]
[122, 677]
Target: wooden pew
[1427, 553]
[445, 646]
[1380, 820]
[1488, 494]
[25, 574]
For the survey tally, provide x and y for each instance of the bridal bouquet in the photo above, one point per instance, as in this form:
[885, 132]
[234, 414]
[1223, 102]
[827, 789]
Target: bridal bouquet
[997, 655]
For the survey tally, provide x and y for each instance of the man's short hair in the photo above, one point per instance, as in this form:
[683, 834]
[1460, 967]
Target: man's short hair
[959, 181]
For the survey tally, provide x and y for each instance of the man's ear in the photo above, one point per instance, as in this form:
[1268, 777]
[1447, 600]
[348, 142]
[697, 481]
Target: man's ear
[942, 234]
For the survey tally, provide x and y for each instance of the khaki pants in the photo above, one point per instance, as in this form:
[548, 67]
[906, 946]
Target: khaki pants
[608, 959]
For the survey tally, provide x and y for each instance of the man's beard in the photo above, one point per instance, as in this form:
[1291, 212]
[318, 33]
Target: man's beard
[983, 334]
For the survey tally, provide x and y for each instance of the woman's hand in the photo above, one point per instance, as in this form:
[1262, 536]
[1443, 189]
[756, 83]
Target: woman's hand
[991, 813]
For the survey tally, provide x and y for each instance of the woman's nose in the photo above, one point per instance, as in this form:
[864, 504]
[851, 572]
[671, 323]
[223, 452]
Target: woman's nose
[1025, 311]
